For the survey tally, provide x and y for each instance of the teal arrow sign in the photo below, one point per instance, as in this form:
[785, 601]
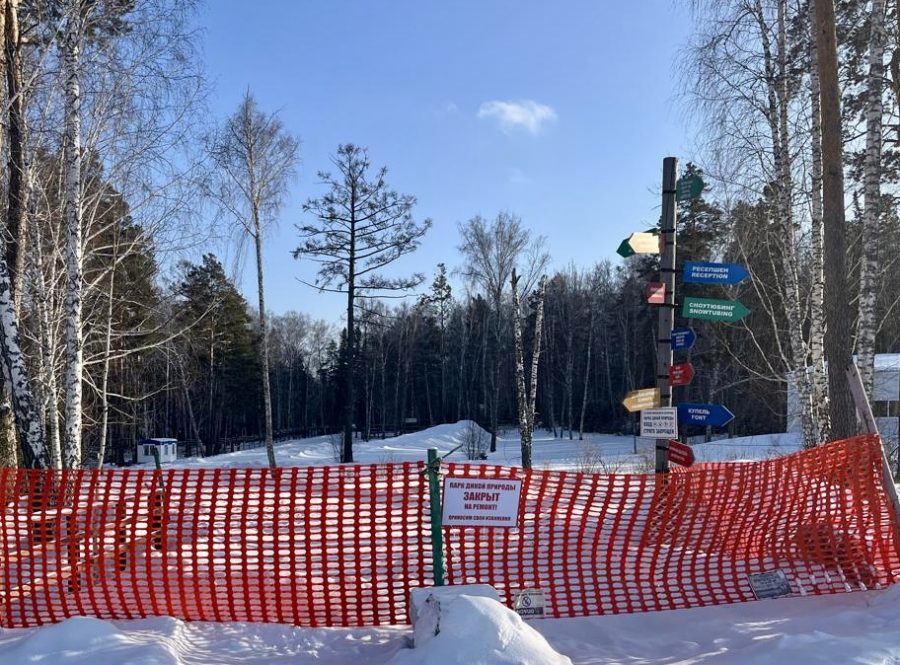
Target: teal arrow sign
[713, 310]
[688, 188]
[625, 249]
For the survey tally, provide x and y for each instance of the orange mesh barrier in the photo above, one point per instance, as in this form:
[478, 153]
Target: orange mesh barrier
[314, 546]
[605, 544]
[342, 546]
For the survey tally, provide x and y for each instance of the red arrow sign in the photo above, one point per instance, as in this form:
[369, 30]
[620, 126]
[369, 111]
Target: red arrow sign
[680, 453]
[681, 374]
[655, 293]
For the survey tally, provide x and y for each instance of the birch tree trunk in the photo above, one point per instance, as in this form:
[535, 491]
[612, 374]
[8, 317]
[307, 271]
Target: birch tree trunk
[817, 295]
[71, 47]
[107, 349]
[868, 266]
[778, 100]
[526, 398]
[264, 338]
[587, 370]
[521, 394]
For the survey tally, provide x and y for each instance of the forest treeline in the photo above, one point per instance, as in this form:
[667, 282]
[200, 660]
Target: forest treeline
[108, 333]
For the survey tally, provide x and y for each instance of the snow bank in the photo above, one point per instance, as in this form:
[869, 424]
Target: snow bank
[86, 641]
[480, 631]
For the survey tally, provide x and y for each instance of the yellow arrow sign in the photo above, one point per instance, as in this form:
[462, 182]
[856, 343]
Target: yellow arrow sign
[638, 400]
[644, 243]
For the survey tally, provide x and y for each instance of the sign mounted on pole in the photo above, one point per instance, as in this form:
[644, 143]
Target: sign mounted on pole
[680, 453]
[481, 502]
[659, 423]
[681, 374]
[639, 243]
[638, 400]
[624, 249]
[702, 272]
[712, 309]
[688, 187]
[655, 292]
[712, 415]
[683, 338]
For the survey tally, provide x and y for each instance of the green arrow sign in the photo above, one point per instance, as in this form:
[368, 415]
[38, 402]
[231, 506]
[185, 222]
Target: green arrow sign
[688, 188]
[625, 249]
[714, 310]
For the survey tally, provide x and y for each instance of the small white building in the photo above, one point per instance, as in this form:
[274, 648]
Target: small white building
[168, 450]
[885, 397]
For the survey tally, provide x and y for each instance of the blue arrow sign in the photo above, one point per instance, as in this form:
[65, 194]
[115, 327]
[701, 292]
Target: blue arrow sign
[683, 338]
[702, 272]
[714, 415]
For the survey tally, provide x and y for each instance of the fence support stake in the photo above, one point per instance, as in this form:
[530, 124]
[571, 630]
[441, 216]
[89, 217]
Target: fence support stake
[437, 532]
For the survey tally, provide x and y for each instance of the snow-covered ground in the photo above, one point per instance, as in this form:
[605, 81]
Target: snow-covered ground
[597, 452]
[846, 628]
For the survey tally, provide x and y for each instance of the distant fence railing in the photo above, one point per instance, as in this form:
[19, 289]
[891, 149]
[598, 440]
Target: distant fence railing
[342, 545]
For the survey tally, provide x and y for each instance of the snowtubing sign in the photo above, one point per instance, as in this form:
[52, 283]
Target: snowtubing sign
[481, 502]
[712, 309]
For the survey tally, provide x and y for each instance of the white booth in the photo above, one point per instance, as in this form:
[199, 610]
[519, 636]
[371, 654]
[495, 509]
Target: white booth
[167, 448]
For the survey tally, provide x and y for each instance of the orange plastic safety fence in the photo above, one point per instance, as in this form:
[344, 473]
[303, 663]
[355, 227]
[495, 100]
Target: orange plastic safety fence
[605, 544]
[342, 546]
[316, 546]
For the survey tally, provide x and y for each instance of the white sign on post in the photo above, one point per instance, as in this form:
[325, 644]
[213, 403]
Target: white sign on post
[481, 502]
[529, 603]
[660, 423]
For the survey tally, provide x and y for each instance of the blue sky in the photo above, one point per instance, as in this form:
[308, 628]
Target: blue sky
[560, 112]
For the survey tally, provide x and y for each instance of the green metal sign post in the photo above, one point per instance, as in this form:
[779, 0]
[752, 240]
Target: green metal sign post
[433, 469]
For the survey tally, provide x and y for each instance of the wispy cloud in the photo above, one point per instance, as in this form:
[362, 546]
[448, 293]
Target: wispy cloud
[524, 114]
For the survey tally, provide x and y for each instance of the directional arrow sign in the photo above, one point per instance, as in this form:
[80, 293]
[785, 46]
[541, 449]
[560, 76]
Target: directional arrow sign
[680, 453]
[688, 188]
[711, 309]
[681, 374]
[643, 243]
[683, 338]
[638, 400]
[714, 415]
[655, 293]
[702, 272]
[625, 249]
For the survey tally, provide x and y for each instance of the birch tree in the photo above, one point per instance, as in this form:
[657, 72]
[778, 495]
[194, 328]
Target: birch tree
[869, 267]
[15, 370]
[746, 65]
[361, 227]
[526, 398]
[255, 158]
[491, 251]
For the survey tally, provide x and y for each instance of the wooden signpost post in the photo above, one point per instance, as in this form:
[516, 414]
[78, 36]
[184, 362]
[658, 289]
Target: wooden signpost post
[667, 308]
[658, 419]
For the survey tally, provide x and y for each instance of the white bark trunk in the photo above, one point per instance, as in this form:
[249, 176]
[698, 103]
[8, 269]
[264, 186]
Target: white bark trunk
[71, 46]
[778, 100]
[819, 380]
[587, 369]
[868, 266]
[264, 347]
[48, 343]
[526, 399]
[521, 395]
[104, 381]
